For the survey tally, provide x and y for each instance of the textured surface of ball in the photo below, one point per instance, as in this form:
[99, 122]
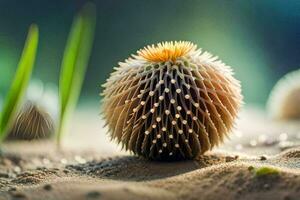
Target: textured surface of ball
[283, 103]
[32, 122]
[171, 101]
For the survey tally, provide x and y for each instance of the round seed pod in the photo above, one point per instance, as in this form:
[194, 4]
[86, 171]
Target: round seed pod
[171, 101]
[283, 102]
[32, 122]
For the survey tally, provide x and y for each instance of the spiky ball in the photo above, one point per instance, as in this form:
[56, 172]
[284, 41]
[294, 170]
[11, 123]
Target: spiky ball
[171, 101]
[283, 103]
[32, 122]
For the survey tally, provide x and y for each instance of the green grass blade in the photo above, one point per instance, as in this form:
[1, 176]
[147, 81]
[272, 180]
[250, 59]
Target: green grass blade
[74, 64]
[20, 82]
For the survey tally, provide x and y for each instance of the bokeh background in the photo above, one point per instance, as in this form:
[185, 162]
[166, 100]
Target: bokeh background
[259, 39]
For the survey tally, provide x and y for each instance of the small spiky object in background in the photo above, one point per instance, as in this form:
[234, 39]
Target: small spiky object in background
[283, 103]
[36, 118]
[171, 101]
[31, 123]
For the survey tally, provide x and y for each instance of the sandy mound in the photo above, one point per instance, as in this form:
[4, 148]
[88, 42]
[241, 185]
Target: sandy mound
[259, 162]
[213, 176]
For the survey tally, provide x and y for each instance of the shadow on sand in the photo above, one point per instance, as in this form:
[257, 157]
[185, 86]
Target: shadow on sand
[131, 168]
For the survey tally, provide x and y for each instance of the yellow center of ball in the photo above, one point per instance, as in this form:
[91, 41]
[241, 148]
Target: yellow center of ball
[166, 51]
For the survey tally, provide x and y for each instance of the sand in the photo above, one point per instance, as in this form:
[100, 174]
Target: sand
[95, 168]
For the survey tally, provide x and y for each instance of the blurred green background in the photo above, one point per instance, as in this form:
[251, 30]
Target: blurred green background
[259, 39]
